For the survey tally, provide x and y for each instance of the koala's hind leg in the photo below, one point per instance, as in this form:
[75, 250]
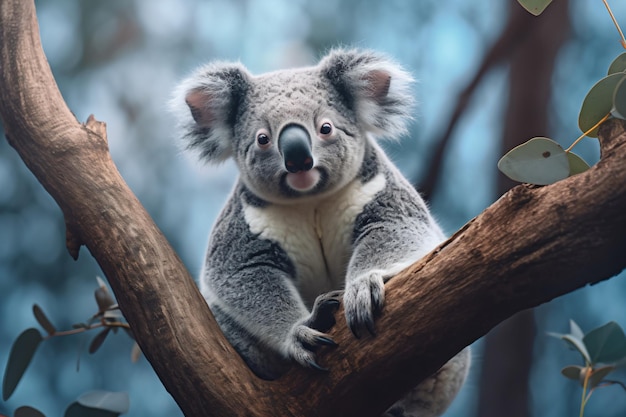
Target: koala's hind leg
[265, 363]
[432, 396]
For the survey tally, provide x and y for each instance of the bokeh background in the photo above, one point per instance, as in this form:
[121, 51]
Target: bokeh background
[490, 77]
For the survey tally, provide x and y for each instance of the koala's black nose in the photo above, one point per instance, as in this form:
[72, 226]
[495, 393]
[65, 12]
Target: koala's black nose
[295, 146]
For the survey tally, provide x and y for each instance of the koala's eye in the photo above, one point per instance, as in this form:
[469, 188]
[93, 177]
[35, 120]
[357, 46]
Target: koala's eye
[326, 129]
[263, 138]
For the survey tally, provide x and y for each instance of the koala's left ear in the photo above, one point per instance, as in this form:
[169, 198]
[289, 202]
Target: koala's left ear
[373, 86]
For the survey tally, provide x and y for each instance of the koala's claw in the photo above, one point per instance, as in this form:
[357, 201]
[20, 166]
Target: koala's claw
[327, 341]
[308, 336]
[367, 322]
[363, 300]
[314, 365]
[369, 325]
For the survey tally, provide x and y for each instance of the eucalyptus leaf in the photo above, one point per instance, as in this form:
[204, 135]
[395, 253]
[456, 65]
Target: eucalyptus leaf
[113, 314]
[539, 161]
[103, 298]
[26, 411]
[117, 402]
[20, 356]
[577, 165]
[101, 282]
[578, 345]
[99, 340]
[575, 330]
[619, 101]
[572, 372]
[606, 344]
[618, 64]
[77, 410]
[43, 320]
[598, 375]
[574, 341]
[535, 7]
[598, 103]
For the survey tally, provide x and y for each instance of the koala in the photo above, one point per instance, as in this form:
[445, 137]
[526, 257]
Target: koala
[318, 213]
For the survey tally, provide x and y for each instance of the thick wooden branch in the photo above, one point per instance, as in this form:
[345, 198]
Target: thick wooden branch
[169, 317]
[532, 245]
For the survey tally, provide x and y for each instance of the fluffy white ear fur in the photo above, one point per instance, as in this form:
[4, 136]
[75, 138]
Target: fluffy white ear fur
[375, 87]
[205, 104]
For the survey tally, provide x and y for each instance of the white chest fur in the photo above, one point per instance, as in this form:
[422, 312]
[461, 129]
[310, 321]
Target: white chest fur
[316, 235]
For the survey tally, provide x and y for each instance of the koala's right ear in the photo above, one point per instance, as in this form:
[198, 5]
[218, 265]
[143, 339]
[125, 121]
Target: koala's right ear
[207, 104]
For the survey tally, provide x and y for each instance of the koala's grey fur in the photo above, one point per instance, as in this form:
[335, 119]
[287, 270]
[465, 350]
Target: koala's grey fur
[318, 207]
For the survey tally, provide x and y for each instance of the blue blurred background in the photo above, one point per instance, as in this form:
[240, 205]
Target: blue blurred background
[119, 60]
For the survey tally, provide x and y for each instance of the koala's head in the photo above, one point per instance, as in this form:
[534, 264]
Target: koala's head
[295, 133]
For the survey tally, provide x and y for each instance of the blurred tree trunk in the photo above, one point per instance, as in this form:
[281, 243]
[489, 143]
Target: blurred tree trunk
[508, 354]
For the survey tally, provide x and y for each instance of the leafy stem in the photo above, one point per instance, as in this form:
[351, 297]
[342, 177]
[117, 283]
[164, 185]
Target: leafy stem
[608, 382]
[81, 329]
[621, 34]
[585, 397]
[603, 350]
[591, 129]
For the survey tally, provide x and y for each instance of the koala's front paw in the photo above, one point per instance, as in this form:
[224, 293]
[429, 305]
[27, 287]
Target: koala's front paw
[302, 343]
[323, 315]
[363, 299]
[307, 336]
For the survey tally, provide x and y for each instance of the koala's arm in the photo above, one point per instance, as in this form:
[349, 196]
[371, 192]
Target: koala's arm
[250, 280]
[391, 233]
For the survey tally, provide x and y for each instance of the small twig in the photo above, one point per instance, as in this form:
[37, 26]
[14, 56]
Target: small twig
[585, 397]
[607, 382]
[621, 34]
[587, 132]
[90, 327]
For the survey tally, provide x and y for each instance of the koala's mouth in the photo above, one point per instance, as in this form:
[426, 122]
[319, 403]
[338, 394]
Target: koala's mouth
[303, 181]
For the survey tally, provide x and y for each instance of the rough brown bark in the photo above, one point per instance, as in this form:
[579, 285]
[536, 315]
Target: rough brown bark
[522, 251]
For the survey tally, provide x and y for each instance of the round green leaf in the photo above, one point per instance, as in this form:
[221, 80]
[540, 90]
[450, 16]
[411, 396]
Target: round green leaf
[598, 103]
[618, 64]
[539, 161]
[20, 356]
[572, 372]
[116, 402]
[576, 164]
[619, 100]
[535, 7]
[606, 344]
[77, 410]
[26, 411]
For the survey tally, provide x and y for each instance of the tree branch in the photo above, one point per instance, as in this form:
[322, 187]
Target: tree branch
[169, 317]
[532, 245]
